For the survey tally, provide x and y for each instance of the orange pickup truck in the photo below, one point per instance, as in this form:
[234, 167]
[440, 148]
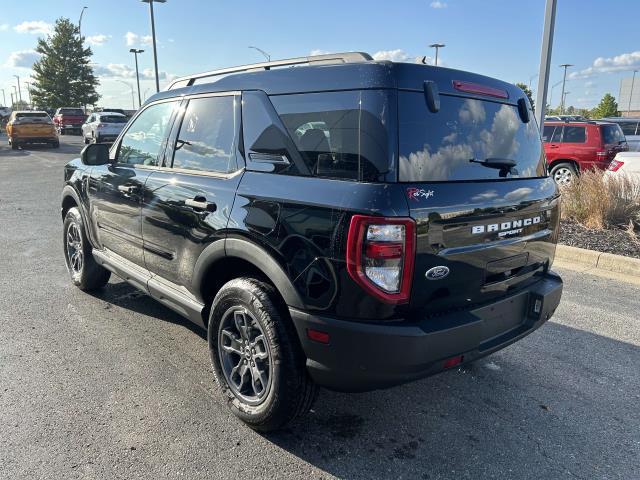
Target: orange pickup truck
[31, 127]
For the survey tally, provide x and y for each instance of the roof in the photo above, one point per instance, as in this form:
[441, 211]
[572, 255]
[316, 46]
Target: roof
[353, 75]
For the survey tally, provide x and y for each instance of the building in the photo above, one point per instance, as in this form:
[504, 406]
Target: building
[625, 92]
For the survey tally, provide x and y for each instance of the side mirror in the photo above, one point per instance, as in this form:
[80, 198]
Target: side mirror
[95, 154]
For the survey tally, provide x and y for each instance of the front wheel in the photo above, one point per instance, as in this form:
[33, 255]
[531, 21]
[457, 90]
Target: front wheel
[85, 273]
[256, 357]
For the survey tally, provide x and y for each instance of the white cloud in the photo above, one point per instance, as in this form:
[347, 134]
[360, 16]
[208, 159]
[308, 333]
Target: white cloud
[34, 26]
[4, 27]
[438, 4]
[398, 55]
[619, 63]
[22, 59]
[97, 40]
[124, 71]
[318, 51]
[133, 39]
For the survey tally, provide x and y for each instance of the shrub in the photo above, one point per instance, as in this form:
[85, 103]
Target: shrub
[601, 201]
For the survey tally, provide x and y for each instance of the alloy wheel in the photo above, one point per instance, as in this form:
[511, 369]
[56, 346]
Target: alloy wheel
[244, 355]
[75, 253]
[563, 176]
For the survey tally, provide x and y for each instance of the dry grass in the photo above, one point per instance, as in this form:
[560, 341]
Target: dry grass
[598, 201]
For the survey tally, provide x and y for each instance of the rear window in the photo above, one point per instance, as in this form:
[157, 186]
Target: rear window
[71, 111]
[612, 134]
[574, 135]
[113, 119]
[42, 116]
[339, 134]
[441, 146]
[628, 128]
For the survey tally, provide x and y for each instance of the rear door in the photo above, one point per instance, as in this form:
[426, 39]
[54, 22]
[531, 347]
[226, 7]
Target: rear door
[494, 229]
[187, 206]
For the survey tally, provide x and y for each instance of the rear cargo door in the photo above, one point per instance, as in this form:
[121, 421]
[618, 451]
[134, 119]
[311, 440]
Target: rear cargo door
[475, 182]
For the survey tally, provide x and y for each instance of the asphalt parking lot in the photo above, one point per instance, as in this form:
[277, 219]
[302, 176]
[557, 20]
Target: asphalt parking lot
[114, 385]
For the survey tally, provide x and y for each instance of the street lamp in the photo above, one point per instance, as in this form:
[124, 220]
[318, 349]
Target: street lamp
[135, 54]
[19, 90]
[552, 87]
[633, 80]
[564, 79]
[133, 101]
[153, 38]
[80, 22]
[564, 99]
[437, 46]
[266, 55]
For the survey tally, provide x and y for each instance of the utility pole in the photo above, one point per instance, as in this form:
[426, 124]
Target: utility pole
[19, 90]
[564, 80]
[80, 22]
[153, 39]
[437, 46]
[545, 61]
[135, 54]
[564, 100]
[633, 80]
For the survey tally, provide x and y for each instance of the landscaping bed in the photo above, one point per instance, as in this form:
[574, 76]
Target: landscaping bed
[610, 240]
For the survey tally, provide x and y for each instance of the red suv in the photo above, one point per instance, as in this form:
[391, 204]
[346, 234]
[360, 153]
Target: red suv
[571, 147]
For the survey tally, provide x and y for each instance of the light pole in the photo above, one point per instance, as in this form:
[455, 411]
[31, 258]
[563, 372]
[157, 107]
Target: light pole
[437, 46]
[153, 38]
[80, 22]
[135, 54]
[133, 101]
[552, 87]
[633, 80]
[266, 55]
[28, 85]
[14, 95]
[4, 98]
[564, 99]
[19, 90]
[564, 80]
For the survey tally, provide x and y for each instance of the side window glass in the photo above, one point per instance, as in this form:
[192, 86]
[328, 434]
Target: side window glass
[574, 135]
[547, 133]
[628, 128]
[207, 137]
[555, 138]
[144, 139]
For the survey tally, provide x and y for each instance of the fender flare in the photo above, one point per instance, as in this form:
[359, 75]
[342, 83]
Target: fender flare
[69, 191]
[253, 254]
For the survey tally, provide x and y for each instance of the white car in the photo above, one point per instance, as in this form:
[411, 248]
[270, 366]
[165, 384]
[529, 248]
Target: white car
[103, 127]
[625, 162]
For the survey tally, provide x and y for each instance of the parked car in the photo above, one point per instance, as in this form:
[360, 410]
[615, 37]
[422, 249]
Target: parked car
[365, 224]
[631, 129]
[572, 147]
[115, 110]
[103, 127]
[5, 112]
[625, 163]
[69, 120]
[29, 127]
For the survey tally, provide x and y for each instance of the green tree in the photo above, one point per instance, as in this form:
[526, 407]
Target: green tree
[63, 76]
[525, 88]
[608, 107]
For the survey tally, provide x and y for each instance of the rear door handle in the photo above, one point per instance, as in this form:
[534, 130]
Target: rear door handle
[201, 204]
[554, 146]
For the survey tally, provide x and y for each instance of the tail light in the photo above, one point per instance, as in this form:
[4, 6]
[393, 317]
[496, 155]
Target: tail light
[615, 165]
[380, 256]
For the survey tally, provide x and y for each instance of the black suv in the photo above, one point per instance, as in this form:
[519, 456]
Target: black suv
[347, 223]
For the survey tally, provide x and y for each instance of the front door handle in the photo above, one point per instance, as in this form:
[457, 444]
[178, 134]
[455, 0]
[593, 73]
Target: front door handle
[128, 189]
[200, 204]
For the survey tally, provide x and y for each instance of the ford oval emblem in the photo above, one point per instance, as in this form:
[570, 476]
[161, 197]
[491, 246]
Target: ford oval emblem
[436, 273]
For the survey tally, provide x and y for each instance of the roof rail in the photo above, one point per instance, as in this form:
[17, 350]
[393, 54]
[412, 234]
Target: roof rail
[332, 58]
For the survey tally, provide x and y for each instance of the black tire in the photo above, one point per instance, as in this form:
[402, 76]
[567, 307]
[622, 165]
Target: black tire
[14, 146]
[85, 274]
[55, 144]
[98, 139]
[563, 173]
[290, 392]
[85, 139]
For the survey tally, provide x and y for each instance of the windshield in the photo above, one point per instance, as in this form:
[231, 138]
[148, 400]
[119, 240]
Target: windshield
[612, 134]
[71, 111]
[113, 119]
[456, 142]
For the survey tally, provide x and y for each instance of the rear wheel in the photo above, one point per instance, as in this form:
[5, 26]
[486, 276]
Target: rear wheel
[256, 357]
[14, 145]
[85, 273]
[563, 173]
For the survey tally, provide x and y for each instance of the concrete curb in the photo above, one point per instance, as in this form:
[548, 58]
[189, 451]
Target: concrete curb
[599, 260]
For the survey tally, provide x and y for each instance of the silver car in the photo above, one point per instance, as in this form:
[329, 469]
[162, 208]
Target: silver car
[103, 127]
[631, 129]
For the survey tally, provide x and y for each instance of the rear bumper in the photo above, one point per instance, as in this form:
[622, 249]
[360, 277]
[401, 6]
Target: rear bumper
[23, 140]
[368, 356]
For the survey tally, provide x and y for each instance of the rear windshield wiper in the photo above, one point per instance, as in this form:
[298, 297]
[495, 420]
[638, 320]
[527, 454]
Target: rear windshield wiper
[505, 165]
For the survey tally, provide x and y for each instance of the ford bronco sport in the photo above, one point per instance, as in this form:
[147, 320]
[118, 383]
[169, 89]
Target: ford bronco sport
[347, 223]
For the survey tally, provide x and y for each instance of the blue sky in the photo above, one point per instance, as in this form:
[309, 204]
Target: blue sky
[500, 38]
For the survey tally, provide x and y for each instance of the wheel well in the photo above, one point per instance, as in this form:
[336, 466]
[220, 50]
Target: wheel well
[227, 269]
[68, 203]
[575, 164]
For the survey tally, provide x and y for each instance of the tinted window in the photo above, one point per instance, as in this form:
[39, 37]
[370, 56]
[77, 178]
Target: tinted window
[71, 111]
[339, 134]
[628, 128]
[612, 134]
[143, 142]
[206, 140]
[441, 146]
[547, 133]
[557, 134]
[574, 135]
[41, 116]
[113, 119]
